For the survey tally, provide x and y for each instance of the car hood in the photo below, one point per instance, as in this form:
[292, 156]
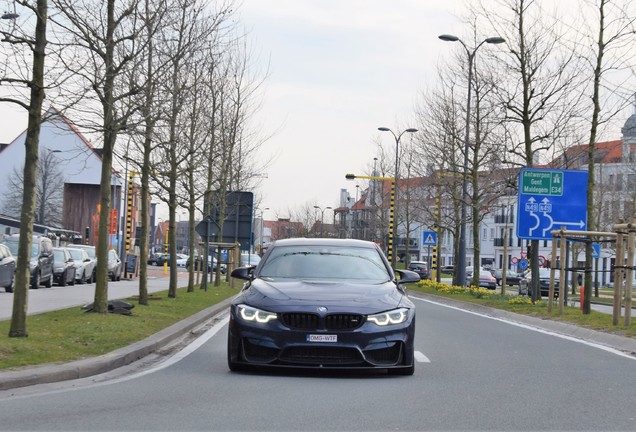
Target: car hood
[284, 295]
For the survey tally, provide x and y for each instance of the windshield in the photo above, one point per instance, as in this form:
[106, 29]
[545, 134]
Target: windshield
[90, 251]
[76, 254]
[13, 247]
[325, 262]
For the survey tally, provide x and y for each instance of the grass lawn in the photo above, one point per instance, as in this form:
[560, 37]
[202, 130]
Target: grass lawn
[73, 334]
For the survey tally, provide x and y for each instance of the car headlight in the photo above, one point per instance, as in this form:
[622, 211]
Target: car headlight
[395, 316]
[249, 313]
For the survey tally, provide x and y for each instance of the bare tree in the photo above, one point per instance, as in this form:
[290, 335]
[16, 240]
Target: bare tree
[616, 28]
[35, 45]
[49, 191]
[440, 120]
[538, 93]
[103, 40]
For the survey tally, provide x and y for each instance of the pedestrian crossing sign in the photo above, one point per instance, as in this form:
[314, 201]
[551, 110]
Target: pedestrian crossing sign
[429, 238]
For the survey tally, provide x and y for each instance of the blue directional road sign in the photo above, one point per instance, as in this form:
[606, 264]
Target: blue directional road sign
[549, 199]
[429, 238]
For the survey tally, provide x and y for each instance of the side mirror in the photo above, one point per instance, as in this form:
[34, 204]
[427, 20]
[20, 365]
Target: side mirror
[407, 276]
[245, 273]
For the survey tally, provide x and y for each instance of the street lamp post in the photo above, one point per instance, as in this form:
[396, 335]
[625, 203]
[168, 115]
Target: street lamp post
[322, 218]
[260, 249]
[394, 225]
[460, 265]
[389, 248]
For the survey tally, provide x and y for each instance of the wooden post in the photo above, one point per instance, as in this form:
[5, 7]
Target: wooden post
[562, 272]
[619, 262]
[504, 264]
[629, 273]
[552, 271]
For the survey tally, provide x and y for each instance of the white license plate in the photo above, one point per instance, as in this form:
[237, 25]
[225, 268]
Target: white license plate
[322, 338]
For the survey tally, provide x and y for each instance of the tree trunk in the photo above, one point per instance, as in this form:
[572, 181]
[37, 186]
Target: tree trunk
[18, 326]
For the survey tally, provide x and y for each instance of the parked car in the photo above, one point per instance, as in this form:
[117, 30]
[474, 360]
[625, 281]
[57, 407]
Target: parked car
[84, 265]
[63, 267]
[249, 259]
[421, 268]
[323, 303]
[41, 260]
[7, 268]
[90, 250]
[448, 269]
[152, 258]
[162, 259]
[211, 264]
[114, 265]
[544, 282]
[182, 259]
[512, 277]
[469, 271]
[486, 280]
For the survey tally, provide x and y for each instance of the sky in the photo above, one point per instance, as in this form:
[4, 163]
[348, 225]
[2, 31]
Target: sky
[338, 70]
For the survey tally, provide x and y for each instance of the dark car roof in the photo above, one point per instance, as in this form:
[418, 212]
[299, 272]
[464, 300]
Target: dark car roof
[324, 242]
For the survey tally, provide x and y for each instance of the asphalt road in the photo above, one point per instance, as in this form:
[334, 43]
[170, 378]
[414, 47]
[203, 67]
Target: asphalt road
[474, 372]
[55, 298]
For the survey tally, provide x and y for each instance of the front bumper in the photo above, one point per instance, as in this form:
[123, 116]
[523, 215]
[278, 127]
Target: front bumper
[277, 344]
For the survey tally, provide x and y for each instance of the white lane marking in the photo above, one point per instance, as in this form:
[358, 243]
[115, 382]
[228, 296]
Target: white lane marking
[421, 358]
[528, 327]
[189, 349]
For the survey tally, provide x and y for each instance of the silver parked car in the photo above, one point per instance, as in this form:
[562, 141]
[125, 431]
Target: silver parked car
[84, 265]
[90, 250]
[114, 265]
[7, 268]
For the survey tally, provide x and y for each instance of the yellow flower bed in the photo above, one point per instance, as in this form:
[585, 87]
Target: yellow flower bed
[477, 292]
[454, 289]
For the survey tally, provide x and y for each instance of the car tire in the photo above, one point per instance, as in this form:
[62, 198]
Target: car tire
[49, 282]
[36, 280]
[63, 278]
[82, 279]
[9, 288]
[72, 281]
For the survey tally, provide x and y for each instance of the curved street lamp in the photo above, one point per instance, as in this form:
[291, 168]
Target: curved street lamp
[460, 265]
[322, 218]
[394, 224]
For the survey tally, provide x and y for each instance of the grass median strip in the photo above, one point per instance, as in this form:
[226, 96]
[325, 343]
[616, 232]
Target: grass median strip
[73, 334]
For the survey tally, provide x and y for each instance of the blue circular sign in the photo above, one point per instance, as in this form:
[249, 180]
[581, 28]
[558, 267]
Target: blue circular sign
[523, 264]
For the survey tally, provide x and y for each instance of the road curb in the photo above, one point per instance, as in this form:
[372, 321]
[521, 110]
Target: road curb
[54, 372]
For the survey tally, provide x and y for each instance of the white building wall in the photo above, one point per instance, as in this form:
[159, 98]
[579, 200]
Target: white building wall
[78, 161]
